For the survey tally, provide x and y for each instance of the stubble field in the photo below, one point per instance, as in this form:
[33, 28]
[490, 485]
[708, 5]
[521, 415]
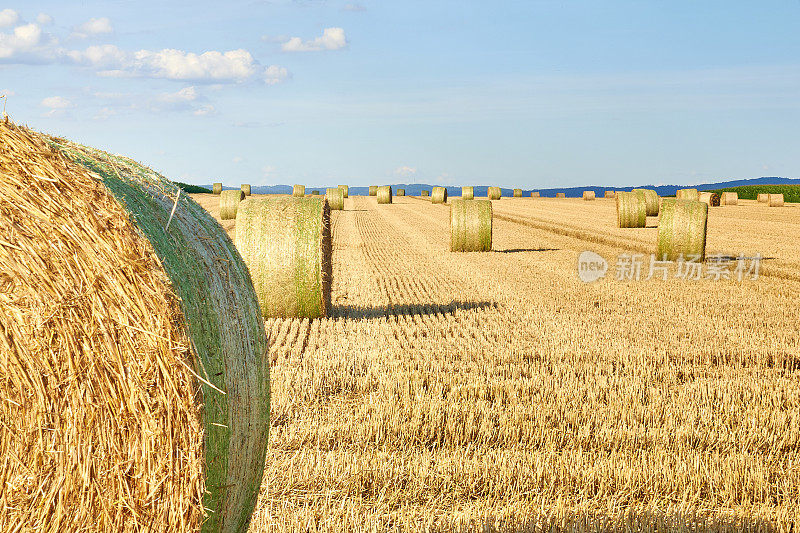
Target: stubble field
[496, 391]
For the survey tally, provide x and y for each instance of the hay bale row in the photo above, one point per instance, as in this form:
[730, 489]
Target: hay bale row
[113, 430]
[609, 194]
[246, 189]
[711, 198]
[216, 188]
[688, 194]
[775, 200]
[535, 194]
[400, 192]
[682, 230]
[228, 203]
[588, 195]
[438, 195]
[345, 190]
[286, 244]
[468, 193]
[763, 197]
[561, 195]
[650, 198]
[631, 210]
[517, 193]
[373, 190]
[470, 225]
[384, 194]
[299, 191]
[335, 198]
[729, 198]
[425, 193]
[493, 193]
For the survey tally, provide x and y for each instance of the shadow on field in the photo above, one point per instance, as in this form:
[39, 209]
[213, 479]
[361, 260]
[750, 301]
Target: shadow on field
[518, 250]
[356, 312]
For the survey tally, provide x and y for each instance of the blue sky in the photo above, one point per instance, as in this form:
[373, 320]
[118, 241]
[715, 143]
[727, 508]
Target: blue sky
[518, 94]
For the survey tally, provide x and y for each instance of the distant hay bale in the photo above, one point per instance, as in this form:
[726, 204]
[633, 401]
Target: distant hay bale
[493, 193]
[687, 194]
[609, 194]
[631, 210]
[711, 198]
[299, 190]
[217, 188]
[228, 203]
[775, 200]
[561, 195]
[439, 195]
[588, 195]
[763, 197]
[384, 194]
[470, 225]
[682, 230]
[468, 193]
[315, 193]
[517, 193]
[246, 189]
[425, 193]
[650, 200]
[345, 190]
[335, 197]
[135, 388]
[400, 192]
[535, 194]
[286, 244]
[373, 190]
[729, 198]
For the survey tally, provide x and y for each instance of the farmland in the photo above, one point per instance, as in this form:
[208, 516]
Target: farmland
[497, 391]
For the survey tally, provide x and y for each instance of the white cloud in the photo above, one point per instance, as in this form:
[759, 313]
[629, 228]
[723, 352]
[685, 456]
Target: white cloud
[274, 74]
[331, 39]
[56, 102]
[44, 19]
[93, 26]
[204, 110]
[405, 171]
[24, 40]
[105, 113]
[354, 7]
[8, 17]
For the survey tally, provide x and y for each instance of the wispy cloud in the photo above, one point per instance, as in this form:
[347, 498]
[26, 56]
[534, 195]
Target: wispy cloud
[56, 105]
[405, 172]
[44, 19]
[331, 39]
[93, 27]
[354, 7]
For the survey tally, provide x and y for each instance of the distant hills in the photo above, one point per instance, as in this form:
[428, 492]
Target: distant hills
[415, 189]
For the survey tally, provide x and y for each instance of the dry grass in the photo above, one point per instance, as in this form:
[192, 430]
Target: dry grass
[497, 392]
[682, 230]
[561, 195]
[493, 193]
[729, 198]
[517, 193]
[246, 189]
[299, 191]
[384, 194]
[467, 192]
[438, 195]
[217, 188]
[588, 195]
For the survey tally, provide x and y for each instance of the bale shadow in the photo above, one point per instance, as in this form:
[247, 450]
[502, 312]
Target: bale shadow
[357, 312]
[518, 250]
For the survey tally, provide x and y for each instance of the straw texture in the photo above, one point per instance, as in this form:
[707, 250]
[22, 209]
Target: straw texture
[682, 230]
[315, 193]
[711, 198]
[373, 190]
[217, 188]
[763, 197]
[729, 198]
[286, 244]
[650, 198]
[493, 193]
[228, 203]
[400, 192]
[299, 191]
[426, 193]
[438, 195]
[631, 210]
[335, 198]
[609, 194]
[588, 195]
[107, 319]
[384, 194]
[535, 194]
[467, 193]
[470, 225]
[246, 189]
[517, 193]
[561, 195]
[345, 190]
[775, 200]
[687, 194]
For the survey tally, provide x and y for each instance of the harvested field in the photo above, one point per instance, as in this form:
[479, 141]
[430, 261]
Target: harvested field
[497, 390]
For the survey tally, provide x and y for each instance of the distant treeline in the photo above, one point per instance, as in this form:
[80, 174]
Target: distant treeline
[191, 189]
[791, 193]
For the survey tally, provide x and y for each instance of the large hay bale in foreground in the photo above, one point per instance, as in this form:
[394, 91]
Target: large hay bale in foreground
[438, 195]
[246, 189]
[609, 194]
[470, 225]
[345, 190]
[286, 244]
[775, 200]
[373, 190]
[535, 194]
[561, 195]
[228, 203]
[216, 188]
[400, 192]
[687, 194]
[517, 193]
[588, 195]
[468, 193]
[299, 191]
[134, 368]
[729, 198]
[711, 198]
[763, 197]
[682, 230]
[631, 210]
[335, 198]
[650, 200]
[384, 194]
[493, 193]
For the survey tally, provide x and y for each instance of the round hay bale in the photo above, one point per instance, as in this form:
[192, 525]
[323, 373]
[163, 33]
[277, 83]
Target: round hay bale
[517, 193]
[493, 193]
[561, 195]
[373, 190]
[687, 194]
[400, 192]
[438, 195]
[631, 210]
[711, 198]
[384, 194]
[729, 198]
[467, 193]
[609, 194]
[775, 200]
[286, 244]
[426, 193]
[299, 190]
[345, 190]
[763, 198]
[650, 200]
[535, 194]
[588, 195]
[217, 188]
[246, 189]
[135, 370]
[228, 203]
[470, 225]
[315, 193]
[335, 198]
[682, 230]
